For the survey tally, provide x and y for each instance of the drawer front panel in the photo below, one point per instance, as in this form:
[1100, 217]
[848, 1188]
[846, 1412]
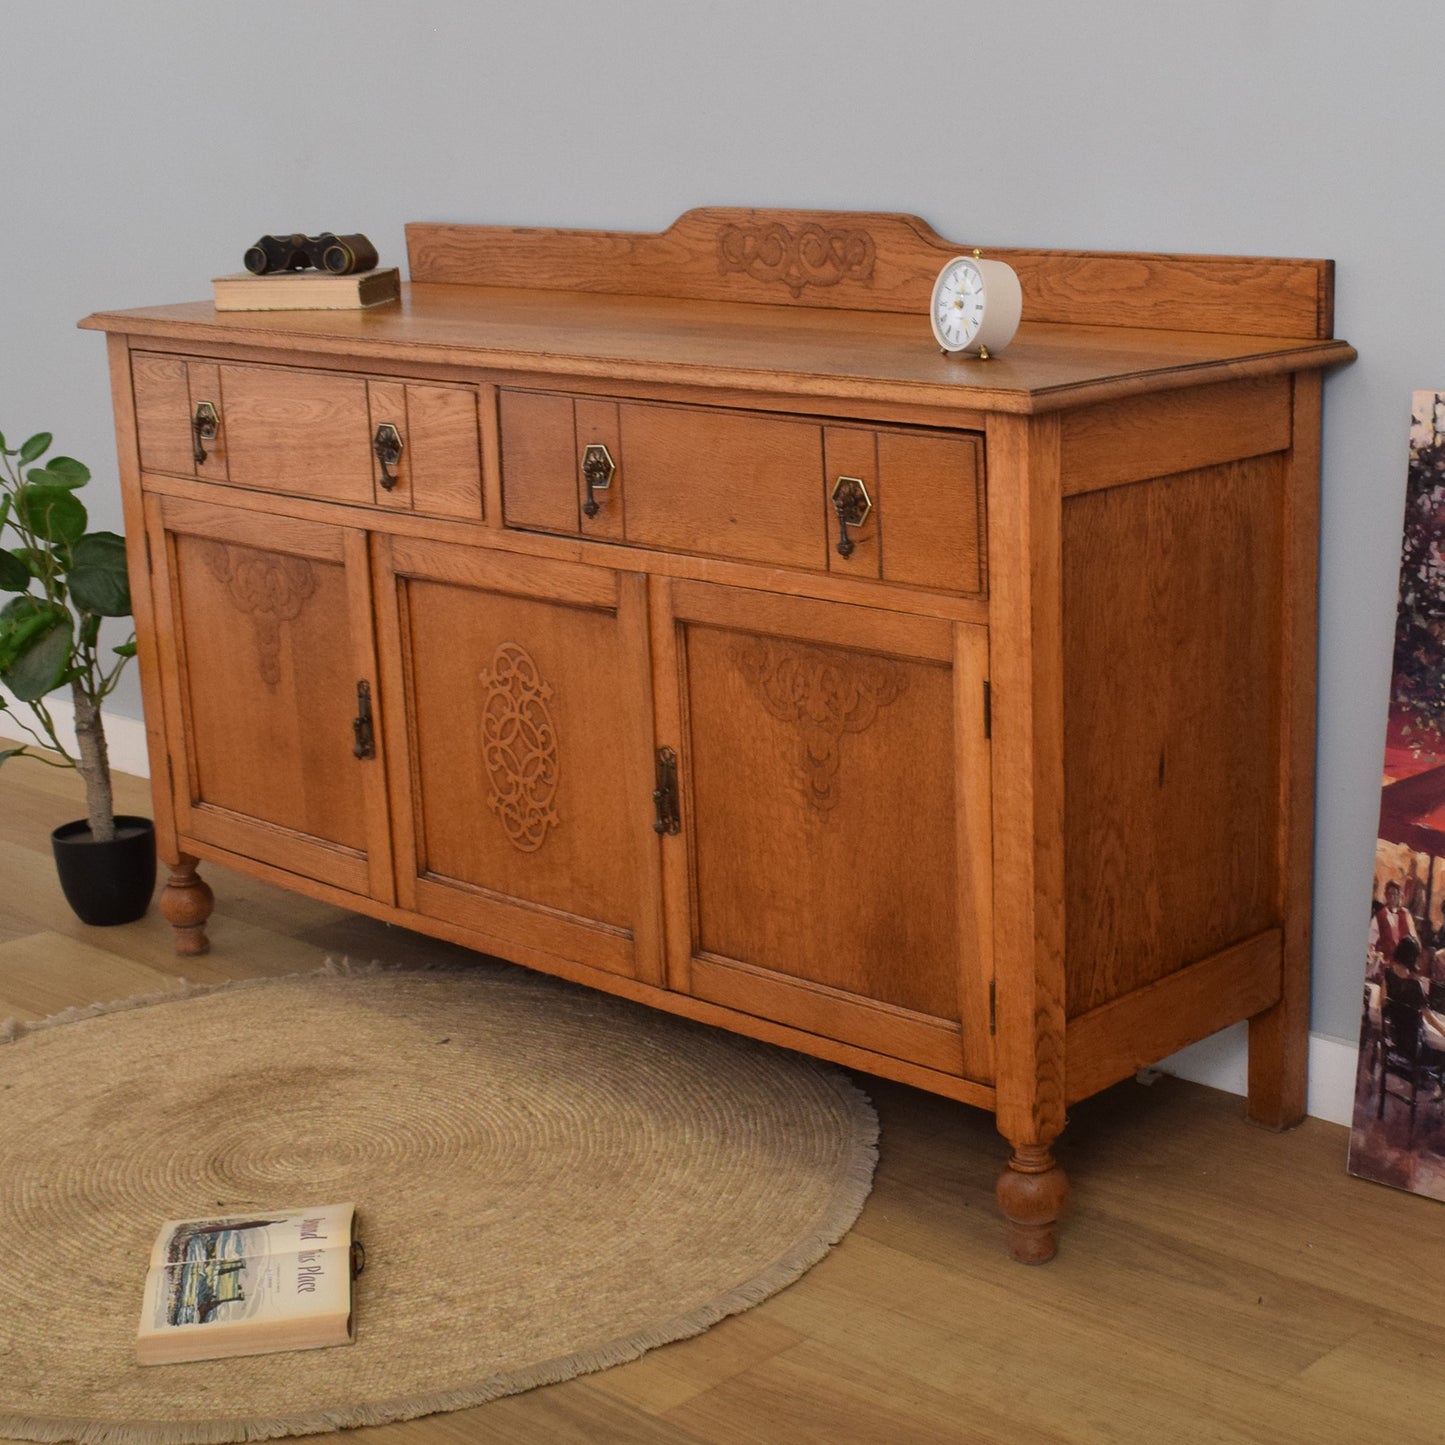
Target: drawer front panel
[750, 488]
[170, 393]
[312, 433]
[724, 484]
[302, 432]
[930, 512]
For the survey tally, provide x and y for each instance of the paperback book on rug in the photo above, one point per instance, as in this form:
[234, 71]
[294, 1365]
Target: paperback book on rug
[250, 1284]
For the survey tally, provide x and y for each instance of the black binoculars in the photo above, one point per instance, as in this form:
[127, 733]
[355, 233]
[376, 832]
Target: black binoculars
[340, 255]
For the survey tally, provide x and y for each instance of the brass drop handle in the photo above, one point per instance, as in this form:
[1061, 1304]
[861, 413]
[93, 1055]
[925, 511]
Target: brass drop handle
[597, 471]
[205, 427]
[386, 446]
[852, 504]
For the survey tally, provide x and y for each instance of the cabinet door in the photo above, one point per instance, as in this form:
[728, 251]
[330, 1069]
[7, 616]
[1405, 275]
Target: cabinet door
[835, 869]
[524, 806]
[267, 663]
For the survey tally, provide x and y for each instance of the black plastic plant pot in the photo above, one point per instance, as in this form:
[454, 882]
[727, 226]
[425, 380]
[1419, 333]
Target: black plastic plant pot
[107, 883]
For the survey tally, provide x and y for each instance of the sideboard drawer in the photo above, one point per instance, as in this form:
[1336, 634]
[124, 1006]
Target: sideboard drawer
[303, 432]
[749, 487]
[311, 433]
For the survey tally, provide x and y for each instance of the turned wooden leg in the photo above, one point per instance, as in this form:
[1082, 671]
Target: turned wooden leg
[1032, 1192]
[186, 903]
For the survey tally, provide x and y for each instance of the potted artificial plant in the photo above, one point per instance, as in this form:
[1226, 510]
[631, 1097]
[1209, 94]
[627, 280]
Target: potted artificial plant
[64, 580]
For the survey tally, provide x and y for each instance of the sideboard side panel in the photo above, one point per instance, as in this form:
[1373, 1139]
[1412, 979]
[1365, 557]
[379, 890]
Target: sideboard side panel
[1173, 592]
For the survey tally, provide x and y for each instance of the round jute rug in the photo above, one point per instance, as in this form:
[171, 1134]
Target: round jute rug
[547, 1181]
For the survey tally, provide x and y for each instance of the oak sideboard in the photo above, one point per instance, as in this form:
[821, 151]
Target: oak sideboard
[666, 612]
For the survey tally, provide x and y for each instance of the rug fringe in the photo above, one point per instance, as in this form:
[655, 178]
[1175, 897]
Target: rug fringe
[834, 1221]
[13, 1029]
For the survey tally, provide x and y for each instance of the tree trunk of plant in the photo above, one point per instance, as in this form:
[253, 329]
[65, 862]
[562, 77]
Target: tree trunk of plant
[94, 766]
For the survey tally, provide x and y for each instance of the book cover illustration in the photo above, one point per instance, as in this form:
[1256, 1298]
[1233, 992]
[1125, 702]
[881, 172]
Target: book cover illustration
[241, 1284]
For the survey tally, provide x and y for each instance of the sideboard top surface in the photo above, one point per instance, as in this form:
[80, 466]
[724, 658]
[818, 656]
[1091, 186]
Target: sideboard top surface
[799, 303]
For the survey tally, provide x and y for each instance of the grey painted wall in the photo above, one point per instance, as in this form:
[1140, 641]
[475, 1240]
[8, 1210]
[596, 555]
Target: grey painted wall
[145, 144]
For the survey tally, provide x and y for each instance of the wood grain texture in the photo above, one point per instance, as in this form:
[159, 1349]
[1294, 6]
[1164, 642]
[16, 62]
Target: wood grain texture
[510, 696]
[1112, 1041]
[933, 522]
[127, 451]
[539, 461]
[973, 822]
[813, 355]
[817, 856]
[518, 544]
[306, 432]
[1026, 656]
[260, 661]
[163, 413]
[872, 261]
[443, 439]
[724, 483]
[1171, 763]
[1130, 441]
[1279, 1038]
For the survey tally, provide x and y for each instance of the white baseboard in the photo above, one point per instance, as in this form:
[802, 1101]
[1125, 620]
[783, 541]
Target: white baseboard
[125, 737]
[1222, 1062]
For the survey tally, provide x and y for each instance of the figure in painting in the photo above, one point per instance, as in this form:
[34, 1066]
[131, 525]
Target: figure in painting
[1398, 1132]
[1389, 927]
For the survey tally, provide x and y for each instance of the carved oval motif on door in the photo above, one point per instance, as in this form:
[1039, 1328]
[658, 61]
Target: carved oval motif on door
[519, 746]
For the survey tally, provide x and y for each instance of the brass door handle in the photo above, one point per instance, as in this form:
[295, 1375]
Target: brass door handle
[205, 427]
[664, 795]
[387, 446]
[363, 732]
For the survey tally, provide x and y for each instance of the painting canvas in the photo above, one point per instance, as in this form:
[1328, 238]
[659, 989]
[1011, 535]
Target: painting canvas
[1398, 1133]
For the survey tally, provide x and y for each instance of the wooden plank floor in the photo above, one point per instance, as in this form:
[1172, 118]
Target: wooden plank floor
[1214, 1283]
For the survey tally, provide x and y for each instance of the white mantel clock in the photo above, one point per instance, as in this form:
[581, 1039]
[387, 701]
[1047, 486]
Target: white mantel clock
[976, 306]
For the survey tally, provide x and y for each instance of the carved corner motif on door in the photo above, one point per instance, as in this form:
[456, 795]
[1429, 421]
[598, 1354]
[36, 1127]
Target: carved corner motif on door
[826, 698]
[519, 746]
[813, 255]
[267, 587]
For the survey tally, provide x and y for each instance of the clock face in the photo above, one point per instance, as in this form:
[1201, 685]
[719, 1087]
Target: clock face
[958, 304]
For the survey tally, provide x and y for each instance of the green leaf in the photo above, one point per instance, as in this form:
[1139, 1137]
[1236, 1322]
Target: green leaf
[12, 753]
[98, 578]
[21, 619]
[126, 649]
[31, 558]
[36, 446]
[14, 574]
[51, 513]
[3, 447]
[41, 664]
[65, 472]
